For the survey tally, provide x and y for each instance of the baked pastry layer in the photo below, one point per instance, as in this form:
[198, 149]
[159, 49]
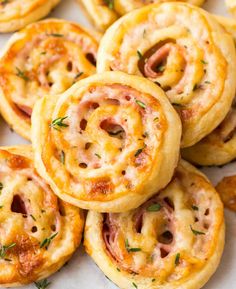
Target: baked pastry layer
[16, 14]
[38, 232]
[219, 147]
[174, 240]
[108, 143]
[46, 57]
[226, 188]
[183, 49]
[104, 12]
[231, 5]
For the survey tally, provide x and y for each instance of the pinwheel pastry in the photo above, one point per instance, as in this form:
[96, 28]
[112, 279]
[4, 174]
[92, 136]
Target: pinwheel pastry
[16, 14]
[227, 190]
[38, 232]
[231, 5]
[174, 240]
[219, 147]
[183, 49]
[44, 58]
[108, 142]
[104, 12]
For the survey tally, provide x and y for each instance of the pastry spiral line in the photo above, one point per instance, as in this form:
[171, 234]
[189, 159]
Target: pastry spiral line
[183, 49]
[46, 57]
[38, 232]
[108, 142]
[174, 240]
[16, 14]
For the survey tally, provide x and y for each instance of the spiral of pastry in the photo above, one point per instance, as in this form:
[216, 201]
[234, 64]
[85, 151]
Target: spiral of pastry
[16, 14]
[174, 240]
[108, 142]
[104, 12]
[227, 190]
[219, 147]
[38, 232]
[44, 58]
[183, 49]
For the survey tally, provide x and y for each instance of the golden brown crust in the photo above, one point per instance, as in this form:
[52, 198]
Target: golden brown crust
[46, 57]
[219, 147]
[175, 240]
[231, 5]
[189, 55]
[108, 142]
[227, 190]
[16, 14]
[104, 12]
[38, 232]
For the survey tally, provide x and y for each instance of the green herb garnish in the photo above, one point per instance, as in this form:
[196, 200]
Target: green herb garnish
[46, 242]
[79, 74]
[110, 4]
[140, 56]
[204, 62]
[21, 74]
[195, 208]
[97, 155]
[4, 249]
[33, 217]
[129, 249]
[195, 232]
[55, 35]
[59, 122]
[62, 157]
[42, 284]
[134, 285]
[140, 103]
[154, 208]
[177, 257]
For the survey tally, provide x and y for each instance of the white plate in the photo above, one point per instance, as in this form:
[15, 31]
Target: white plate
[81, 272]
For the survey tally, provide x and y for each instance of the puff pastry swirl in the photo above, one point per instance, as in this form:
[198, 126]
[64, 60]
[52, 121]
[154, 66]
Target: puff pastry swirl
[219, 147]
[46, 57]
[231, 5]
[16, 14]
[38, 232]
[104, 12]
[183, 49]
[174, 240]
[108, 143]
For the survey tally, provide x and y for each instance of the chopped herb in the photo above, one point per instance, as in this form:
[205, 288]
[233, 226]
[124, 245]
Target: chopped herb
[195, 208]
[161, 68]
[177, 104]
[145, 134]
[156, 119]
[79, 74]
[204, 62]
[8, 260]
[207, 82]
[134, 285]
[55, 35]
[118, 269]
[140, 56]
[140, 103]
[195, 232]
[97, 155]
[144, 33]
[21, 74]
[42, 284]
[62, 157]
[127, 246]
[1, 187]
[1, 207]
[46, 242]
[33, 217]
[110, 4]
[58, 122]
[157, 83]
[177, 257]
[4, 249]
[153, 280]
[154, 208]
[43, 53]
[43, 211]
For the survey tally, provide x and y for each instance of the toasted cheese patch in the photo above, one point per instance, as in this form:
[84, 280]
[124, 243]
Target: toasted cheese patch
[44, 58]
[38, 232]
[108, 142]
[183, 49]
[16, 14]
[104, 12]
[174, 240]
